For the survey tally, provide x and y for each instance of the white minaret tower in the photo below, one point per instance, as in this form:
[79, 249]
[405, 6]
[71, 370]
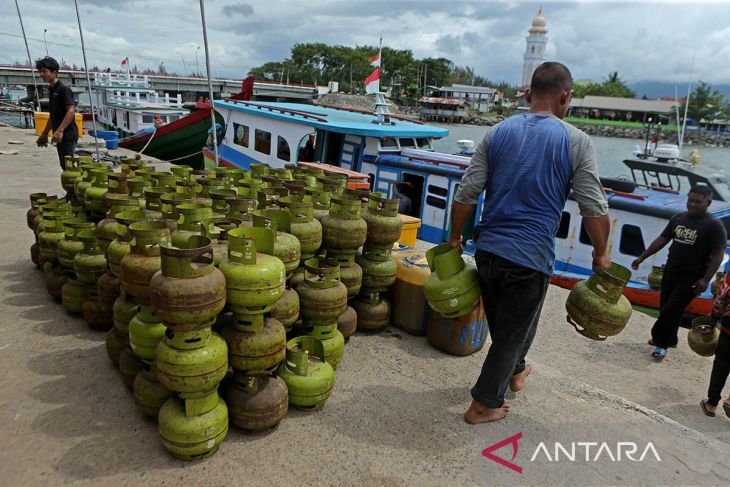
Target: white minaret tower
[535, 51]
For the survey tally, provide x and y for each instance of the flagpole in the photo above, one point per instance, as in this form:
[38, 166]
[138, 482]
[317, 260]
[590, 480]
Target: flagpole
[30, 60]
[210, 81]
[88, 81]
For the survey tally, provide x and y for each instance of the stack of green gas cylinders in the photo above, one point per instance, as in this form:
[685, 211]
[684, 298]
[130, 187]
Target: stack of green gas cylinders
[224, 293]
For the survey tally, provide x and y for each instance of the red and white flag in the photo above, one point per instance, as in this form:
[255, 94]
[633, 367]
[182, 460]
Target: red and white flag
[372, 82]
[125, 61]
[375, 60]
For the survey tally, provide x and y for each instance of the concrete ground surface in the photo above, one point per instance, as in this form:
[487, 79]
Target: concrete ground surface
[394, 418]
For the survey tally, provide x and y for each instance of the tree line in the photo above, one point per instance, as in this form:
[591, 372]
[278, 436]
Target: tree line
[318, 63]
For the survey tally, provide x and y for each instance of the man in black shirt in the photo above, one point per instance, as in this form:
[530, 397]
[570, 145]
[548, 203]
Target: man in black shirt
[698, 246]
[61, 120]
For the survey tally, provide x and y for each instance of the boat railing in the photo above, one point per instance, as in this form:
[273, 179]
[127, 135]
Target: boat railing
[141, 99]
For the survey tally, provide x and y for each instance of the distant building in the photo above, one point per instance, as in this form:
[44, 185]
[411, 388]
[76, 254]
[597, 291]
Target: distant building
[453, 103]
[535, 49]
[614, 108]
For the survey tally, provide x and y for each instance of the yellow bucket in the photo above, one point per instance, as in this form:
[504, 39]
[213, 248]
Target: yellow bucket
[41, 119]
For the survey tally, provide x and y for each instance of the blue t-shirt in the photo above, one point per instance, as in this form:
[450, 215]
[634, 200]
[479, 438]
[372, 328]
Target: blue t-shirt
[530, 173]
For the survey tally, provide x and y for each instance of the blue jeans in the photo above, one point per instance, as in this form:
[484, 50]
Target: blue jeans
[513, 296]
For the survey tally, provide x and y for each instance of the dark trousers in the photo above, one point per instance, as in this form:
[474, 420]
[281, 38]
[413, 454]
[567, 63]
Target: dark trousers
[513, 297]
[676, 294]
[720, 367]
[66, 147]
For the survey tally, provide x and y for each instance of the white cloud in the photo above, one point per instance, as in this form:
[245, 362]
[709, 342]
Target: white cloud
[640, 40]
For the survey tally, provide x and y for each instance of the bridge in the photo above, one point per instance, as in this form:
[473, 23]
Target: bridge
[191, 88]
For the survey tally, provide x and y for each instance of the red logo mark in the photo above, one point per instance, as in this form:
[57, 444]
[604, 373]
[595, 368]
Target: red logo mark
[513, 440]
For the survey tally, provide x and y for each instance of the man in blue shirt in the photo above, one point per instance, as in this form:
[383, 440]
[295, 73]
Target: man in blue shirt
[526, 165]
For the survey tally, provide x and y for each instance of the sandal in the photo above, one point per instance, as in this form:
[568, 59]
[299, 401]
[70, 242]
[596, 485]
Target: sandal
[651, 342]
[659, 353]
[703, 405]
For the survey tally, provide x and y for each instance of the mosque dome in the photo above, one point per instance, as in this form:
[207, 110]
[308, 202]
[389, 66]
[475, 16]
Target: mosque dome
[538, 23]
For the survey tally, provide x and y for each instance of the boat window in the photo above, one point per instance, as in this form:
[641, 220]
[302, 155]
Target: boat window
[564, 225]
[148, 118]
[388, 143]
[438, 190]
[282, 149]
[632, 242]
[240, 134]
[423, 143]
[584, 238]
[407, 142]
[172, 118]
[437, 202]
[262, 141]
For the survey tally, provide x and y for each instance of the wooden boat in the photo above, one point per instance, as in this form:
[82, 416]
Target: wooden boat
[179, 141]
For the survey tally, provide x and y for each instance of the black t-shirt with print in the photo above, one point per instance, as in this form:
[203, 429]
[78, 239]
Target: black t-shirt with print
[693, 240]
[60, 96]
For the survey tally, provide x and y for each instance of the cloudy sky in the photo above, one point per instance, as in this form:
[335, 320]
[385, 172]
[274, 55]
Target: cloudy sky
[641, 40]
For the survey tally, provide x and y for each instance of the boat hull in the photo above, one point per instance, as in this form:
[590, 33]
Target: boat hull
[180, 142]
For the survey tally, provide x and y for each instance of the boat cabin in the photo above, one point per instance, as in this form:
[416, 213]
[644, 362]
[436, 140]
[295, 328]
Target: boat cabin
[127, 104]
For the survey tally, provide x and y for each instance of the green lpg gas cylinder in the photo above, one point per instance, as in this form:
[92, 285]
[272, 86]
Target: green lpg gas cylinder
[109, 288]
[256, 403]
[342, 228]
[303, 225]
[332, 340]
[347, 322]
[322, 296]
[703, 336]
[94, 194]
[120, 245]
[256, 345]
[373, 312]
[73, 295]
[145, 332]
[192, 437]
[286, 309]
[241, 207]
[90, 263]
[598, 304]
[308, 377]
[129, 367]
[378, 269]
[70, 245]
[254, 281]
[220, 201]
[216, 229]
[115, 343]
[51, 233]
[189, 291]
[123, 311]
[153, 197]
[106, 229]
[190, 217]
[286, 245]
[655, 277]
[452, 289]
[191, 363]
[143, 260]
[149, 393]
[69, 175]
[384, 224]
[350, 271]
[36, 200]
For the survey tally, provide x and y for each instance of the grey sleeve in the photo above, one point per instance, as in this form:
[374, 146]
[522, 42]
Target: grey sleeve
[475, 178]
[587, 187]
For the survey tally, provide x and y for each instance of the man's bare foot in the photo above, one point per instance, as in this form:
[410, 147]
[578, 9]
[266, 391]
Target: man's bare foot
[477, 413]
[518, 381]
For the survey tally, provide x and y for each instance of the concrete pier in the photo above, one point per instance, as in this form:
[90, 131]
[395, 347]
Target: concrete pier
[394, 418]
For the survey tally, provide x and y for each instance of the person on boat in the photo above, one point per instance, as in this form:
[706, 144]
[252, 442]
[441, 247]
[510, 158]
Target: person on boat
[63, 110]
[698, 246]
[400, 190]
[721, 364]
[526, 165]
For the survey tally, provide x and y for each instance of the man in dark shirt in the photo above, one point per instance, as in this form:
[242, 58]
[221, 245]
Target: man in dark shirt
[698, 246]
[61, 119]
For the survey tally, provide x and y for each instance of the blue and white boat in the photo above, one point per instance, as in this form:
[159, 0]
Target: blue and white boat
[393, 150]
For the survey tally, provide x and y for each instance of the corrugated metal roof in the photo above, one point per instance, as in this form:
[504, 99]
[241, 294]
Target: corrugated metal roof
[623, 104]
[468, 89]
